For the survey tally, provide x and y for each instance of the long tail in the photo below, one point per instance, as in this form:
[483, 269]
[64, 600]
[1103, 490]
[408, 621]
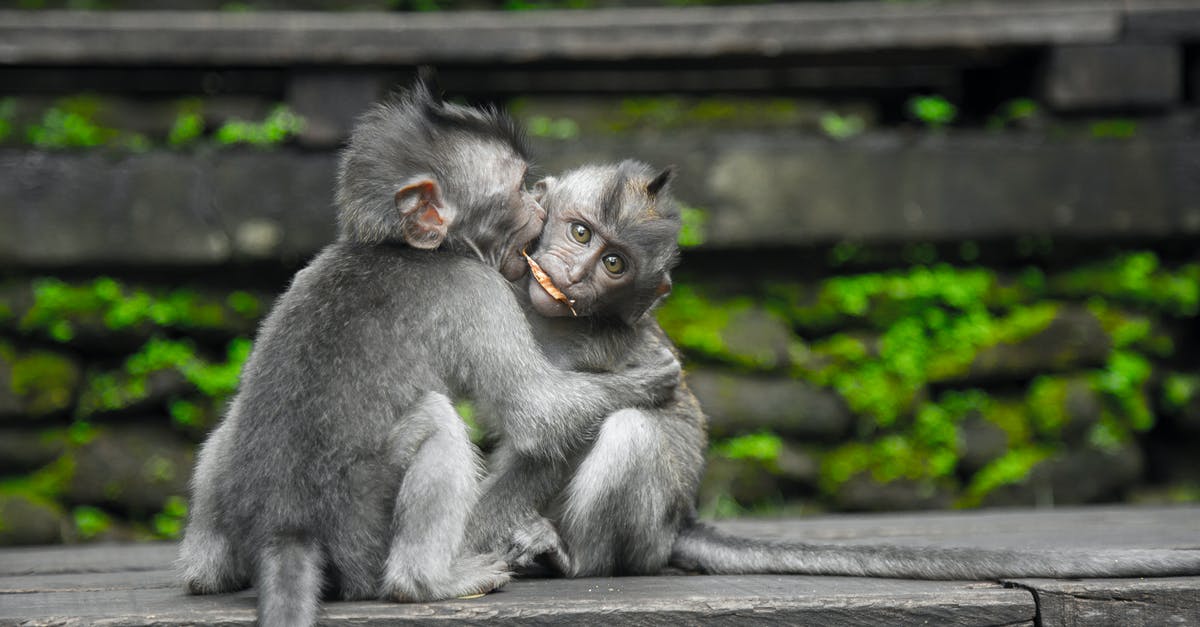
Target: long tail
[705, 549]
[289, 583]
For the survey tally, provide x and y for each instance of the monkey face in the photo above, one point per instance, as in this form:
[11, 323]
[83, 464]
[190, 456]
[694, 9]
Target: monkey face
[608, 243]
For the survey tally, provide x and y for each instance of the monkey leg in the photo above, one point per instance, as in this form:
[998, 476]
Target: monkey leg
[629, 496]
[436, 494]
[207, 562]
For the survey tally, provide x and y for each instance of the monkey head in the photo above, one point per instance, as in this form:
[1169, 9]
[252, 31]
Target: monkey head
[609, 242]
[429, 174]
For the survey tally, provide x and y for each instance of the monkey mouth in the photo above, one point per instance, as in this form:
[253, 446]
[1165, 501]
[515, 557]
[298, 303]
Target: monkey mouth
[547, 284]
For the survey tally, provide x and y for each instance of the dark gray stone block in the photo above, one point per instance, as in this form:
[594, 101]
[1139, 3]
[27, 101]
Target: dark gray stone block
[1113, 76]
[742, 404]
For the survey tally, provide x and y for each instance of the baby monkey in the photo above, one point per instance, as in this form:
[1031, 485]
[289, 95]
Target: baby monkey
[341, 468]
[626, 503]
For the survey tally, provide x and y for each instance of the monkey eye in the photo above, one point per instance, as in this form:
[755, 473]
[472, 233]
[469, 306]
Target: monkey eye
[614, 264]
[580, 233]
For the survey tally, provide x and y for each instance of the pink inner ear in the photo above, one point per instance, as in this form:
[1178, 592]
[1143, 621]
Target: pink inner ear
[431, 217]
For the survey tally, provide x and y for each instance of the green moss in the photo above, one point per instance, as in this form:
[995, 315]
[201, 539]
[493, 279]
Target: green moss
[1136, 279]
[169, 523]
[934, 111]
[280, 125]
[8, 106]
[47, 483]
[45, 381]
[60, 307]
[695, 322]
[1179, 390]
[90, 521]
[841, 127]
[1113, 129]
[763, 447]
[691, 232]
[1011, 468]
[1124, 381]
[109, 391]
[1047, 402]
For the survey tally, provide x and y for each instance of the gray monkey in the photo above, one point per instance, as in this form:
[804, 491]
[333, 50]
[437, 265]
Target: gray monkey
[626, 503]
[341, 468]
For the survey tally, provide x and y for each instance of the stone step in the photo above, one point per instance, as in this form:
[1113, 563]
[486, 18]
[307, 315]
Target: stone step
[773, 188]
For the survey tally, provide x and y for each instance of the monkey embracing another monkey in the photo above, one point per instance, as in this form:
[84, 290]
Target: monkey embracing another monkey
[341, 468]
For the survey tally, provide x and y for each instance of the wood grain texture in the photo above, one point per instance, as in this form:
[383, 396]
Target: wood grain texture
[121, 585]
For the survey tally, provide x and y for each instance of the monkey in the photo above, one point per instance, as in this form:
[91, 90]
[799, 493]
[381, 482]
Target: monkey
[341, 469]
[625, 505]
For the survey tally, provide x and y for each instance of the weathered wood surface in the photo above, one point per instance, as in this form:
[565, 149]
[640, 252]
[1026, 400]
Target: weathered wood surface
[284, 38]
[133, 584]
[1124, 602]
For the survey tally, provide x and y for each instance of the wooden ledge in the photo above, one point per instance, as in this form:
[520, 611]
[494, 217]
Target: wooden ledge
[133, 584]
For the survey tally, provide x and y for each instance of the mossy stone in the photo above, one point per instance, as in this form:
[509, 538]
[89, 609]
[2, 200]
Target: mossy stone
[28, 519]
[36, 383]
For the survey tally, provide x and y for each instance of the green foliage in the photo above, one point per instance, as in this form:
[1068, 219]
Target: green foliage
[186, 130]
[934, 111]
[1137, 279]
[552, 128]
[1179, 390]
[1011, 468]
[842, 127]
[884, 340]
[762, 446]
[45, 381]
[1013, 111]
[71, 124]
[8, 106]
[59, 306]
[691, 232]
[168, 524]
[279, 126]
[90, 521]
[1113, 129]
[110, 391]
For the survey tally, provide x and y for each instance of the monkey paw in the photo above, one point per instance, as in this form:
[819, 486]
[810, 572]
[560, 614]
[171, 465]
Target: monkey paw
[536, 538]
[466, 577]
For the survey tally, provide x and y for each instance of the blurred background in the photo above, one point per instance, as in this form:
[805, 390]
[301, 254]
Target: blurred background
[936, 254]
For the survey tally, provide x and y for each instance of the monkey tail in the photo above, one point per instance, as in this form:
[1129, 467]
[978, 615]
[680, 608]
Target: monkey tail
[702, 548]
[289, 582]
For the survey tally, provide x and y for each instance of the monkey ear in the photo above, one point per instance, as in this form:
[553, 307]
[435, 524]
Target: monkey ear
[655, 186]
[421, 214]
[542, 187]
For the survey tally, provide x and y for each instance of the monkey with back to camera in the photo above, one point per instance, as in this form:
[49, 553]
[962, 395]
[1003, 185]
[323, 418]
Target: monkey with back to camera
[626, 503]
[341, 468]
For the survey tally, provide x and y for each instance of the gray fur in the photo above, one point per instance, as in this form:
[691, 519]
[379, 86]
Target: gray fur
[626, 505]
[340, 466]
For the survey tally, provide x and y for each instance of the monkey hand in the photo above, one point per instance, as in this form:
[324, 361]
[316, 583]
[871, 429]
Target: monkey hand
[657, 373]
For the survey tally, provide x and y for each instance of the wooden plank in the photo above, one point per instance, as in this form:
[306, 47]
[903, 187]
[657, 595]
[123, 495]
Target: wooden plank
[1125, 602]
[52, 560]
[629, 600]
[289, 38]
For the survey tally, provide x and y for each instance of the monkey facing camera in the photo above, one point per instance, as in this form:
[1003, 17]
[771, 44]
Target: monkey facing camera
[341, 469]
[624, 503]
